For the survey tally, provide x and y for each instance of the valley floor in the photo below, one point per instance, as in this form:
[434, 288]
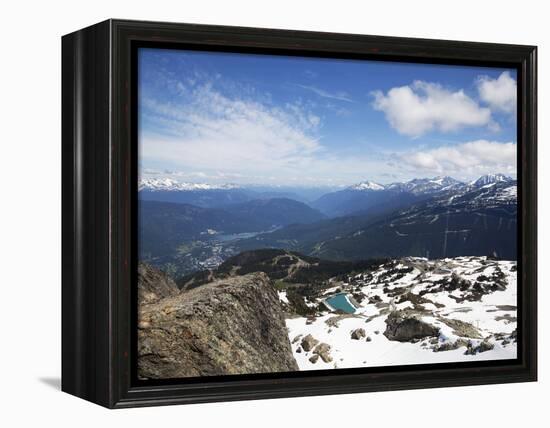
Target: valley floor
[413, 311]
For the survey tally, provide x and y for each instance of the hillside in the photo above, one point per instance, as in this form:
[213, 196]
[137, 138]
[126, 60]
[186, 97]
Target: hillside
[163, 226]
[410, 311]
[470, 220]
[477, 221]
[275, 212]
[279, 265]
[357, 200]
[178, 237]
[374, 198]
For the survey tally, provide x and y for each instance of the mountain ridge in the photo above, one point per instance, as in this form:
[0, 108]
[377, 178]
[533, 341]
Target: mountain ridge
[475, 221]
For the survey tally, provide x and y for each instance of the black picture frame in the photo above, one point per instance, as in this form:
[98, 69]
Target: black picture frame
[99, 182]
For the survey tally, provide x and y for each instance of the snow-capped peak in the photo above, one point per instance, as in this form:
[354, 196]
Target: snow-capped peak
[444, 181]
[490, 179]
[367, 185]
[425, 185]
[169, 184]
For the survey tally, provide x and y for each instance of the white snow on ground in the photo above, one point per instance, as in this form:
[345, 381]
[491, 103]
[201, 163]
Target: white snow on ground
[282, 297]
[492, 314]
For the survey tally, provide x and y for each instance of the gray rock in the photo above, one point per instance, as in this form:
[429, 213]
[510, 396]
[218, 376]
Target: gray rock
[404, 326]
[358, 334]
[450, 346]
[230, 326]
[485, 346]
[369, 339]
[309, 342]
[482, 347]
[313, 359]
[323, 350]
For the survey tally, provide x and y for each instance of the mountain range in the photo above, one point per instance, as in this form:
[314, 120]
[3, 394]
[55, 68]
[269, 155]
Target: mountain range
[377, 197]
[215, 195]
[472, 219]
[429, 217]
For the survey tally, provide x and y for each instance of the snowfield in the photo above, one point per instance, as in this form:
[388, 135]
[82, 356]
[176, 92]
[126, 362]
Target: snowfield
[413, 311]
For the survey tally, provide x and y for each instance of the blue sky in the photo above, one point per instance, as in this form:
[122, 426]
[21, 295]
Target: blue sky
[275, 120]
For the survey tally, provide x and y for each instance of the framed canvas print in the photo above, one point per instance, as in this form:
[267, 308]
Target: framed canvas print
[253, 213]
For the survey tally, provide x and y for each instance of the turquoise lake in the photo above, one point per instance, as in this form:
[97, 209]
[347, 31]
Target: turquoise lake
[339, 302]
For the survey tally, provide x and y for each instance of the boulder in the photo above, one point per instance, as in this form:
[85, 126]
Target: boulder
[313, 359]
[483, 346]
[309, 342]
[230, 326]
[323, 350]
[403, 326]
[358, 334]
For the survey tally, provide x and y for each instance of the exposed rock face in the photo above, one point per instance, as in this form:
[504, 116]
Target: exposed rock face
[154, 285]
[230, 326]
[405, 327]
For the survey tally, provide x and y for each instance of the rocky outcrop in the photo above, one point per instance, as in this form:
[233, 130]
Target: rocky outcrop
[154, 285]
[230, 326]
[404, 326]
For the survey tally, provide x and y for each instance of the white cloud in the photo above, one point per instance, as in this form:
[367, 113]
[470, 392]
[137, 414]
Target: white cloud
[422, 106]
[500, 93]
[209, 131]
[340, 95]
[470, 159]
[217, 138]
